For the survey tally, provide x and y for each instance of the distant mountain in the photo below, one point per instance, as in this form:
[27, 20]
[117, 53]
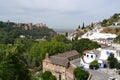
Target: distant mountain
[63, 30]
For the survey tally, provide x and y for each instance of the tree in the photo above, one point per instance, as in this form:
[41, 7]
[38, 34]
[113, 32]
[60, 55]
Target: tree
[12, 66]
[117, 39]
[80, 74]
[47, 75]
[104, 22]
[38, 50]
[94, 64]
[52, 77]
[84, 44]
[112, 61]
[79, 27]
[83, 26]
[92, 25]
[60, 38]
[2, 51]
[118, 65]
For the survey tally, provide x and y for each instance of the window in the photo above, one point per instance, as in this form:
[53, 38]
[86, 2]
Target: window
[59, 77]
[91, 56]
[87, 55]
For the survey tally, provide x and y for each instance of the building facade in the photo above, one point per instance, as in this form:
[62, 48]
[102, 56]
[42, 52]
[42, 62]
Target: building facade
[60, 65]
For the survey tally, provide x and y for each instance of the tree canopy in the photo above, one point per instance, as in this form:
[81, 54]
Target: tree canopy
[117, 39]
[38, 50]
[80, 74]
[94, 64]
[12, 66]
[112, 61]
[111, 20]
[118, 65]
[84, 44]
[47, 75]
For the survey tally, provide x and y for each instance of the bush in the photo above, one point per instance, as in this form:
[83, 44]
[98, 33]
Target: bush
[47, 75]
[80, 74]
[94, 64]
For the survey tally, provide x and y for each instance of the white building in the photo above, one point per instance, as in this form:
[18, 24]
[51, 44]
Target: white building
[71, 35]
[101, 55]
[104, 54]
[88, 57]
[102, 38]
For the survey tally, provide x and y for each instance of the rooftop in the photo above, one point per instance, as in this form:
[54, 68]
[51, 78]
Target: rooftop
[59, 61]
[94, 51]
[62, 58]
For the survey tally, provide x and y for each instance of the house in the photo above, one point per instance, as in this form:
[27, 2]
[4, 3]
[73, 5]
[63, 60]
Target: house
[100, 54]
[60, 65]
[88, 57]
[104, 54]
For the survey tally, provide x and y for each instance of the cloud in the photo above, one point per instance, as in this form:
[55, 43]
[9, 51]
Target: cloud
[58, 13]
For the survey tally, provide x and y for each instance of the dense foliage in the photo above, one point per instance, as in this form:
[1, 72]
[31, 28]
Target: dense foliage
[118, 65]
[84, 44]
[111, 20]
[117, 39]
[94, 64]
[12, 65]
[38, 50]
[60, 38]
[80, 74]
[112, 61]
[47, 75]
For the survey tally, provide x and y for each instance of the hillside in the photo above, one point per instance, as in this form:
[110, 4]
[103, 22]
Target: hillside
[112, 30]
[9, 32]
[111, 21]
[110, 25]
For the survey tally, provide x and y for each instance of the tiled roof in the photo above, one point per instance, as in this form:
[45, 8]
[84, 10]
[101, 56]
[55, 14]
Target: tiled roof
[92, 51]
[62, 58]
[59, 61]
[87, 51]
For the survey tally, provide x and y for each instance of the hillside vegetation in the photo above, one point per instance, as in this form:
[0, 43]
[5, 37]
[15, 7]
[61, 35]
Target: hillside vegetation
[117, 39]
[109, 24]
[115, 30]
[111, 20]
[9, 33]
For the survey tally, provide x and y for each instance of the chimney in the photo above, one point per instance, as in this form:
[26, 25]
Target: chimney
[47, 56]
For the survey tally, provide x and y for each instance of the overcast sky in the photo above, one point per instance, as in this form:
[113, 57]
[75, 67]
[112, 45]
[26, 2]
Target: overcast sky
[61, 14]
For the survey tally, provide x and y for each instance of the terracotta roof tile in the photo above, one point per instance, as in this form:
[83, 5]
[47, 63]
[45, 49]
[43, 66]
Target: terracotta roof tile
[62, 58]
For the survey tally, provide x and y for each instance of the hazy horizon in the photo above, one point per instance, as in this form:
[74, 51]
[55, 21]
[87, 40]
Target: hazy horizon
[58, 14]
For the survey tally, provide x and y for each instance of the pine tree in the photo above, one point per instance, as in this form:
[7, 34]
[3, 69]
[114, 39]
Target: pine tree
[92, 24]
[83, 26]
[79, 27]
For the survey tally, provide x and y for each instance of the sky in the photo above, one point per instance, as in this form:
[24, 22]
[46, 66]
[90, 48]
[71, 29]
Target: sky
[58, 14]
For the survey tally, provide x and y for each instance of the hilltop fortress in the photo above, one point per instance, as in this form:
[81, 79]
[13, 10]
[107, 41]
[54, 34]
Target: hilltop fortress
[27, 26]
